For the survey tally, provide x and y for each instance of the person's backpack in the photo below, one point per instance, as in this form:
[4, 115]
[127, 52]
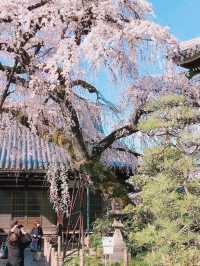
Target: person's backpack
[3, 251]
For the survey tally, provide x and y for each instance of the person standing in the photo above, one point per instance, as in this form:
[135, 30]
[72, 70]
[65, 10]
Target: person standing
[40, 235]
[17, 241]
[36, 235]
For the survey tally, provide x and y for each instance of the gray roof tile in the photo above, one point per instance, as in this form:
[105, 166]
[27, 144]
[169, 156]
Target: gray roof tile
[22, 150]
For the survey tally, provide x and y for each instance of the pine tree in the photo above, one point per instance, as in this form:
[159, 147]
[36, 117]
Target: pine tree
[163, 227]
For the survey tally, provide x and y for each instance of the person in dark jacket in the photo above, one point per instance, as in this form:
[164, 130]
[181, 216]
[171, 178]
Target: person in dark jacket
[36, 243]
[17, 241]
[37, 234]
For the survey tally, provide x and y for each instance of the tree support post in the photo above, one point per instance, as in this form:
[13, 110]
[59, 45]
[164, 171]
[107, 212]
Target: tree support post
[88, 209]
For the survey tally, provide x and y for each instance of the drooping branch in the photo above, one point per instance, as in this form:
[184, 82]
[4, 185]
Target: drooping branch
[85, 85]
[92, 89]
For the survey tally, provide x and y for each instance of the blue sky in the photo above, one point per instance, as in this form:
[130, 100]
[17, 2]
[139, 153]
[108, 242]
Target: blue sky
[182, 16]
[183, 19]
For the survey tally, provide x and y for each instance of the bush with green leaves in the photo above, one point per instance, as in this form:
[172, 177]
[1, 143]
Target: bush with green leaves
[101, 227]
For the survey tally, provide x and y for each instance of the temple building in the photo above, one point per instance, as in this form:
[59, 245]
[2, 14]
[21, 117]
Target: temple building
[24, 161]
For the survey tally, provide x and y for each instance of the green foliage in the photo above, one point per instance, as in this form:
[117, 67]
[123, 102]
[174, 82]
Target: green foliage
[101, 227]
[163, 228]
[105, 180]
[98, 261]
[192, 136]
[166, 160]
[167, 101]
[89, 261]
[172, 118]
[96, 241]
[169, 112]
[165, 223]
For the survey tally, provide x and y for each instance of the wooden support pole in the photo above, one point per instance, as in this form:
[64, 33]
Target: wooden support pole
[59, 245]
[82, 263]
[82, 257]
[88, 209]
[125, 256]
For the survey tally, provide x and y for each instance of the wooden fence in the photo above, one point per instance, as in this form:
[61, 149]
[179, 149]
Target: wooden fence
[53, 256]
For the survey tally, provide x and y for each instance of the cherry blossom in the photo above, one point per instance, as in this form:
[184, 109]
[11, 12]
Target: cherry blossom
[48, 48]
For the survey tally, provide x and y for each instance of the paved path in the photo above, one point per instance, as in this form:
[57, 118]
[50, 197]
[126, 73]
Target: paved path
[28, 260]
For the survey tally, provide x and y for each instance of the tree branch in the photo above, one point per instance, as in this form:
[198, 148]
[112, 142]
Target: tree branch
[75, 126]
[136, 154]
[64, 104]
[4, 46]
[40, 4]
[119, 133]
[14, 79]
[6, 92]
[18, 69]
[6, 20]
[85, 85]
[92, 89]
[108, 140]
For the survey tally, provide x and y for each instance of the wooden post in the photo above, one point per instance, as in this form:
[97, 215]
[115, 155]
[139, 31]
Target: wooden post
[60, 261]
[82, 263]
[125, 256]
[60, 257]
[82, 257]
[56, 258]
[60, 238]
[88, 209]
[59, 245]
[52, 257]
[105, 260]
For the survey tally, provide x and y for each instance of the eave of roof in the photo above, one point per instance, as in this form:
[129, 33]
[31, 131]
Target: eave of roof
[21, 150]
[188, 54]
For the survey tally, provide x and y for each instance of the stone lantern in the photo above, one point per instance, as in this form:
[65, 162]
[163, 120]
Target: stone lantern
[119, 246]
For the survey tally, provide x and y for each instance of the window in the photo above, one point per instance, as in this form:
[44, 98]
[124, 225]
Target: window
[26, 204]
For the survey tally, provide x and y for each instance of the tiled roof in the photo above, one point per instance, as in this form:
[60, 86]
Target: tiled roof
[187, 52]
[22, 150]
